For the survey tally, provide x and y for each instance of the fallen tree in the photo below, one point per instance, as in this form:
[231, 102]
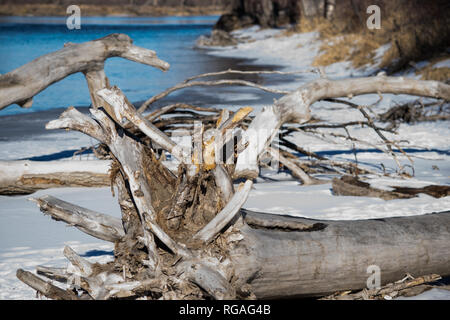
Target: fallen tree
[25, 177]
[321, 257]
[22, 84]
[185, 235]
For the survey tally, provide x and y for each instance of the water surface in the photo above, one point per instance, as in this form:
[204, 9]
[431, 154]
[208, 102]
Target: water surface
[23, 39]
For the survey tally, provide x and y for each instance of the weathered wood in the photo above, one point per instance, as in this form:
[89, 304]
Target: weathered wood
[85, 276]
[295, 107]
[58, 274]
[96, 224]
[336, 257]
[296, 171]
[222, 82]
[133, 288]
[72, 119]
[26, 177]
[131, 156]
[388, 291]
[436, 191]
[227, 214]
[223, 182]
[352, 186]
[225, 251]
[122, 146]
[124, 109]
[84, 267]
[210, 280]
[44, 287]
[280, 222]
[22, 84]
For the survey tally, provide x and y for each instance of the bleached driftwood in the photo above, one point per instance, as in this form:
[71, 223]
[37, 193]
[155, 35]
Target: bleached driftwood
[123, 108]
[187, 236]
[96, 224]
[131, 154]
[389, 291]
[22, 84]
[294, 168]
[58, 274]
[336, 256]
[25, 177]
[84, 267]
[45, 287]
[333, 255]
[294, 107]
[226, 215]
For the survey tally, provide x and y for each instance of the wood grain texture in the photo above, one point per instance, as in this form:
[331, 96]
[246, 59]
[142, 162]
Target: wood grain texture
[281, 263]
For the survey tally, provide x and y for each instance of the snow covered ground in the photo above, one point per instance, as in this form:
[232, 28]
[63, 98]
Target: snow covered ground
[28, 238]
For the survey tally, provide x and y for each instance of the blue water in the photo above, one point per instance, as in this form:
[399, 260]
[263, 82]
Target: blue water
[23, 39]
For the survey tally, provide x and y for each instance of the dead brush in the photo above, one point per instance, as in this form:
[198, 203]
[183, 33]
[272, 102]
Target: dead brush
[414, 30]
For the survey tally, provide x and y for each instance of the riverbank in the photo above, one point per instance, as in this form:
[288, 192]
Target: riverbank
[310, 51]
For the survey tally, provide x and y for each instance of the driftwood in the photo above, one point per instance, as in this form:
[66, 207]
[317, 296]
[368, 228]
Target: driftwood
[436, 191]
[339, 253]
[416, 111]
[25, 177]
[295, 107]
[93, 223]
[190, 83]
[404, 287]
[22, 84]
[44, 287]
[185, 235]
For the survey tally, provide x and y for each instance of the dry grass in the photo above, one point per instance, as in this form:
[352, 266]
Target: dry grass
[415, 31]
[356, 48]
[439, 74]
[430, 72]
[340, 42]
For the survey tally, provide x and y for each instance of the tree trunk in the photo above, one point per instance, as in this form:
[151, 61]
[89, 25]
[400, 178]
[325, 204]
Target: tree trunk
[336, 257]
[25, 177]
